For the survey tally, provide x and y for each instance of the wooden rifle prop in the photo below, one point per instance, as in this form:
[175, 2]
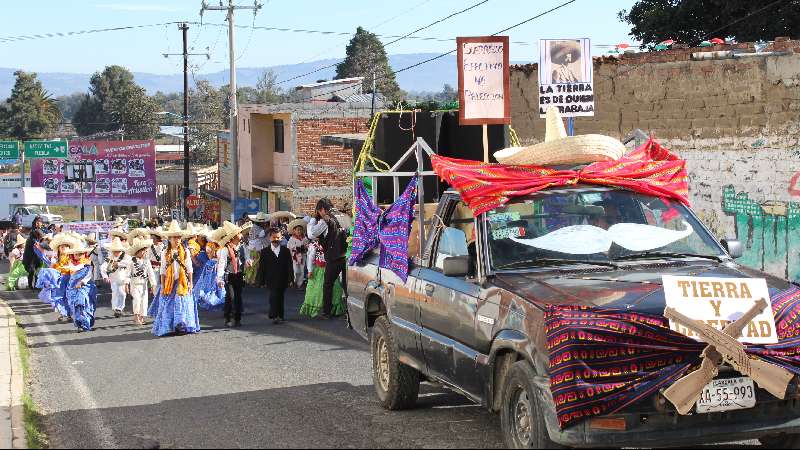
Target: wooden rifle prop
[724, 347]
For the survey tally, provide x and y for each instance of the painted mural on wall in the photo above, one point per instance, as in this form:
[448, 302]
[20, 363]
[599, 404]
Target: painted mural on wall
[770, 233]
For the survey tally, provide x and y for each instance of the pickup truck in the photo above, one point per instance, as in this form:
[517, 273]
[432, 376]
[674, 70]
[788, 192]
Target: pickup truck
[471, 315]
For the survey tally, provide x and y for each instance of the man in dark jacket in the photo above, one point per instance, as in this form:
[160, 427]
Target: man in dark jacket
[276, 273]
[334, 241]
[29, 258]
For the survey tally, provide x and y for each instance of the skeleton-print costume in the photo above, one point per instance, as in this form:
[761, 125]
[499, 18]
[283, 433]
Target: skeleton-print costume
[115, 269]
[141, 273]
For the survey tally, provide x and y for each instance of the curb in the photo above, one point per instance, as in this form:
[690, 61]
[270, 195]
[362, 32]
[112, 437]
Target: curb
[12, 384]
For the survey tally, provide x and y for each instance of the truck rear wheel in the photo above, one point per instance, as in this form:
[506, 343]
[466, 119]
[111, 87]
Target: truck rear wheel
[521, 416]
[396, 384]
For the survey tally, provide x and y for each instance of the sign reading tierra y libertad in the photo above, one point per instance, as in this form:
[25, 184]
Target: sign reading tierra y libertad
[720, 302]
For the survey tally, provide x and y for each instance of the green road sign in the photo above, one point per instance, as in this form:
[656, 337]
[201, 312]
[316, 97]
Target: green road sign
[9, 150]
[45, 149]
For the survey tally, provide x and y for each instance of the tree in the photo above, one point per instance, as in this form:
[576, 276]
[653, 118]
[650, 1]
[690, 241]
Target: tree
[691, 21]
[116, 102]
[69, 104]
[365, 56]
[30, 111]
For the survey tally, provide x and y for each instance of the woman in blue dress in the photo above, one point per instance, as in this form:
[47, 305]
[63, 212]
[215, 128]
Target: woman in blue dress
[207, 293]
[53, 281]
[177, 310]
[81, 291]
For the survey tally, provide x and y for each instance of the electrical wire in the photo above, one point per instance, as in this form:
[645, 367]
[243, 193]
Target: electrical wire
[4, 39]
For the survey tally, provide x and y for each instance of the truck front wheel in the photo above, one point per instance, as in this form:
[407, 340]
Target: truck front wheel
[396, 384]
[521, 416]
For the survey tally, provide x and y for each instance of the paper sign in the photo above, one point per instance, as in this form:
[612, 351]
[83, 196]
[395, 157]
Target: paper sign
[719, 302]
[483, 80]
[566, 77]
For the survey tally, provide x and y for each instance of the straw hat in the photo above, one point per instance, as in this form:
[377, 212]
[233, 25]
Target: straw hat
[261, 217]
[63, 239]
[157, 231]
[90, 238]
[280, 215]
[191, 230]
[230, 231]
[138, 244]
[298, 223]
[116, 246]
[78, 250]
[21, 241]
[215, 235]
[174, 230]
[118, 232]
[560, 49]
[560, 149]
[142, 233]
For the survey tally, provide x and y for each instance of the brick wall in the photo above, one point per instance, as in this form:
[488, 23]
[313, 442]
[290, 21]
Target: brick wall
[324, 170]
[736, 122]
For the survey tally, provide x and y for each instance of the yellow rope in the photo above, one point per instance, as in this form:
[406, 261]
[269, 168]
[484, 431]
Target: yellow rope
[365, 156]
[512, 134]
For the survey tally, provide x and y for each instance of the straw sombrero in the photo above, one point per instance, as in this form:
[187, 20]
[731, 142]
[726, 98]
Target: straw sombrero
[138, 244]
[215, 235]
[157, 231]
[63, 239]
[280, 215]
[21, 241]
[174, 230]
[116, 246]
[261, 217]
[80, 249]
[560, 49]
[560, 149]
[118, 232]
[191, 230]
[90, 238]
[298, 223]
[141, 233]
[229, 231]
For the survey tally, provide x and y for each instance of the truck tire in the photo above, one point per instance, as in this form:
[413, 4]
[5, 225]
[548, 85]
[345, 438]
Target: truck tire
[521, 412]
[782, 441]
[396, 384]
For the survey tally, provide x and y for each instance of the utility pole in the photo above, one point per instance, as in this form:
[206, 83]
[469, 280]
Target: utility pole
[231, 10]
[186, 158]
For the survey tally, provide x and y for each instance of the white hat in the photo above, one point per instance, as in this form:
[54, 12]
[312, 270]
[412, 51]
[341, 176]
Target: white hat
[21, 241]
[261, 217]
[63, 239]
[560, 149]
[215, 235]
[192, 230]
[118, 232]
[90, 238]
[79, 250]
[298, 223]
[137, 245]
[282, 215]
[174, 230]
[139, 233]
[230, 231]
[116, 246]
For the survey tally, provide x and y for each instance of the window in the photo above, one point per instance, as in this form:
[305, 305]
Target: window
[452, 243]
[278, 135]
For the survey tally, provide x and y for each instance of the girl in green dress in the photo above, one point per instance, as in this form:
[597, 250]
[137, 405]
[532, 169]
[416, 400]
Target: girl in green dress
[312, 306]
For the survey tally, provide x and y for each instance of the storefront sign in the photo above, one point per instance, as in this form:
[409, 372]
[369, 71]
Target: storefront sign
[719, 302]
[566, 77]
[484, 80]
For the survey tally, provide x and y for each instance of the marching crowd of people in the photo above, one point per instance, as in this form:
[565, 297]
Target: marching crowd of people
[171, 273]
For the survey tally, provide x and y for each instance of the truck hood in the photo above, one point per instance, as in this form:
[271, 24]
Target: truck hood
[635, 287]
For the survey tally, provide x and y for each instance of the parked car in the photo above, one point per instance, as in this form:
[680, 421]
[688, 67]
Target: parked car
[471, 315]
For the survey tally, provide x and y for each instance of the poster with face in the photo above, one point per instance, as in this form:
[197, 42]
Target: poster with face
[50, 185]
[50, 166]
[102, 186]
[68, 187]
[119, 186]
[566, 77]
[102, 166]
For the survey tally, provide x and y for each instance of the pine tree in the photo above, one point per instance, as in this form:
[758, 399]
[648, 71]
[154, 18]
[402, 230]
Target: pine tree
[365, 54]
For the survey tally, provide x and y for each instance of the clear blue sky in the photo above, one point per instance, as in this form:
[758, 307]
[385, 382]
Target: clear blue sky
[140, 50]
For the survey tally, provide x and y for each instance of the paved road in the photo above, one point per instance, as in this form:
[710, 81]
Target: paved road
[305, 384]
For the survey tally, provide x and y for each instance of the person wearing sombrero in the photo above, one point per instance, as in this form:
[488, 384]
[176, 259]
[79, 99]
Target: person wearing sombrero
[81, 292]
[53, 281]
[257, 240]
[298, 245]
[207, 292]
[115, 272]
[120, 233]
[565, 54]
[175, 309]
[16, 267]
[231, 261]
[142, 277]
[96, 256]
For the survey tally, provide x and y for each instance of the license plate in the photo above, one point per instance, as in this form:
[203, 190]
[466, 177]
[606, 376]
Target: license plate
[727, 395]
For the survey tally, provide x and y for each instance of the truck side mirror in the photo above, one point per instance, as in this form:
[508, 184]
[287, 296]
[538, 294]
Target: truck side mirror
[734, 248]
[456, 266]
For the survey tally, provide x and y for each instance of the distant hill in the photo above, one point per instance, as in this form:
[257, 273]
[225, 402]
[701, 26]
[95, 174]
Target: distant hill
[428, 77]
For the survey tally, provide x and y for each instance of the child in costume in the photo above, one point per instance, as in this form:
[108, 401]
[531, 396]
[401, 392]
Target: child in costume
[81, 291]
[208, 294]
[313, 303]
[298, 245]
[54, 285]
[231, 262]
[16, 267]
[176, 311]
[275, 272]
[115, 272]
[142, 277]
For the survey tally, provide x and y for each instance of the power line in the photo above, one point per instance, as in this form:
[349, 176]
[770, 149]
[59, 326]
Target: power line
[29, 37]
[414, 66]
[399, 38]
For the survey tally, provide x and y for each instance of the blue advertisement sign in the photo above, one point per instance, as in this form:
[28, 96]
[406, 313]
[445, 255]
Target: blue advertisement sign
[247, 206]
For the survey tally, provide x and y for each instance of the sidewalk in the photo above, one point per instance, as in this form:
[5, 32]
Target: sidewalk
[12, 427]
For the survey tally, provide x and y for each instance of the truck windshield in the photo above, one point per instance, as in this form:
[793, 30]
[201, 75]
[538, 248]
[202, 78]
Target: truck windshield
[593, 226]
[37, 210]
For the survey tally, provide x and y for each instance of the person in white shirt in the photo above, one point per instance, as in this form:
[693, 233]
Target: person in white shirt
[142, 277]
[231, 263]
[115, 271]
